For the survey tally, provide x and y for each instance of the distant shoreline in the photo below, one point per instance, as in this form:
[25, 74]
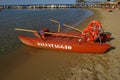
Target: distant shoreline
[39, 6]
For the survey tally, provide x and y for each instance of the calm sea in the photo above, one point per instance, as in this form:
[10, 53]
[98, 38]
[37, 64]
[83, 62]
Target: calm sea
[34, 19]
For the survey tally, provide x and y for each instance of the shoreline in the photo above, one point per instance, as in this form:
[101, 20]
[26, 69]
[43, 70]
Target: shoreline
[95, 16]
[84, 23]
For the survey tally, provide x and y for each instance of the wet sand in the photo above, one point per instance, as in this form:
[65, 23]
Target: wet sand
[43, 64]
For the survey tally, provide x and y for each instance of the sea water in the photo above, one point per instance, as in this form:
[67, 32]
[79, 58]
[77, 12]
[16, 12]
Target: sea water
[35, 19]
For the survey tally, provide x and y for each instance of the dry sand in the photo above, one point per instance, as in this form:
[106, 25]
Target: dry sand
[42, 64]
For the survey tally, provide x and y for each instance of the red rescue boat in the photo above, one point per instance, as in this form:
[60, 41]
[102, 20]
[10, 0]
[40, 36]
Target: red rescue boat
[66, 41]
[66, 44]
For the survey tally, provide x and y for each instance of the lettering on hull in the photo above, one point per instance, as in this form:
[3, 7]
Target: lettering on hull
[55, 46]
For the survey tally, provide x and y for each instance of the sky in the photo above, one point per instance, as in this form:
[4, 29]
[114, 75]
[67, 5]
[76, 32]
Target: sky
[17, 2]
[25, 2]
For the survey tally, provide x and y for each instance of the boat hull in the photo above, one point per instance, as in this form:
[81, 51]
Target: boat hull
[65, 44]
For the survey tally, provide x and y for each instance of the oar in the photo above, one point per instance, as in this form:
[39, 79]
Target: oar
[66, 25]
[58, 34]
[26, 30]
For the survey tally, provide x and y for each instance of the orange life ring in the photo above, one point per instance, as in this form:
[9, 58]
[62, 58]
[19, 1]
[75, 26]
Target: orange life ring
[95, 22]
[93, 30]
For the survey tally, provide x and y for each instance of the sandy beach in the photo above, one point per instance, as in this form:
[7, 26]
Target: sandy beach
[58, 65]
[105, 66]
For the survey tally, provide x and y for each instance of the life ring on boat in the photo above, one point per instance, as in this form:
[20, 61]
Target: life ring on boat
[97, 23]
[93, 30]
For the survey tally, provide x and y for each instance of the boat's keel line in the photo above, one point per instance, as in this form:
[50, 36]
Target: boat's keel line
[57, 46]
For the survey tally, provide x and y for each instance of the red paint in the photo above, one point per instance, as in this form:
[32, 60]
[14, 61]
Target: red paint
[66, 43]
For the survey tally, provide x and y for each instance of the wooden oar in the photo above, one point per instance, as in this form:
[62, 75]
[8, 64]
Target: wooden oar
[66, 25]
[26, 30]
[58, 34]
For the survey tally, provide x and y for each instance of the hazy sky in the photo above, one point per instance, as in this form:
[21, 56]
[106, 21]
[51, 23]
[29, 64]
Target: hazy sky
[19, 2]
[9, 2]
